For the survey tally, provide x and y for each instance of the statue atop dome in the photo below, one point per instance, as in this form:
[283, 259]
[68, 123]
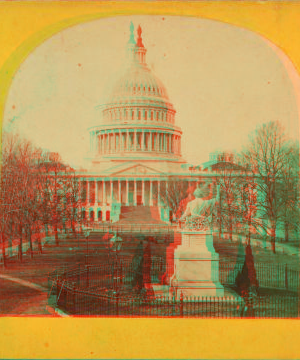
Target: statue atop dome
[139, 42]
[131, 38]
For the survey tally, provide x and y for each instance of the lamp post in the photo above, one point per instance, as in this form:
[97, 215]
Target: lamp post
[87, 234]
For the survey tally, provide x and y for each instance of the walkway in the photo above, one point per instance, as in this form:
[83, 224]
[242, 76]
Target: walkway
[24, 298]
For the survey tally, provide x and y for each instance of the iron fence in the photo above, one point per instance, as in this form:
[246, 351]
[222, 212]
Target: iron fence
[275, 276]
[107, 290]
[131, 228]
[80, 302]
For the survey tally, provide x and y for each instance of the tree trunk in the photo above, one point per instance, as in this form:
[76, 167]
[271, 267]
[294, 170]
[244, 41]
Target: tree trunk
[230, 228]
[220, 218]
[10, 245]
[3, 250]
[20, 253]
[46, 230]
[273, 236]
[286, 231]
[56, 235]
[30, 241]
[74, 230]
[9, 250]
[249, 232]
[40, 248]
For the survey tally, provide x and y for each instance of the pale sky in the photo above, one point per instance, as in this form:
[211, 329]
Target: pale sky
[223, 81]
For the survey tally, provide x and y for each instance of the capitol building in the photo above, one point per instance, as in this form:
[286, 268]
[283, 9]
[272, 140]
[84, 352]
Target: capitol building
[135, 150]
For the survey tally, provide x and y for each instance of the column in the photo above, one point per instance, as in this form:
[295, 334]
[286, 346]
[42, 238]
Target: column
[80, 190]
[104, 192]
[158, 192]
[150, 147]
[96, 192]
[87, 192]
[175, 151]
[143, 141]
[127, 140]
[165, 145]
[134, 141]
[134, 194]
[115, 136]
[151, 192]
[111, 191]
[179, 145]
[127, 193]
[170, 143]
[143, 191]
[119, 184]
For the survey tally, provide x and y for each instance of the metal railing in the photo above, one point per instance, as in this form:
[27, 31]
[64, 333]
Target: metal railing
[107, 289]
[132, 228]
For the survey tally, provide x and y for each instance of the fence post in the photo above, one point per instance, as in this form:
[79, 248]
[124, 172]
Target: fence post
[87, 276]
[78, 283]
[181, 304]
[286, 277]
[117, 305]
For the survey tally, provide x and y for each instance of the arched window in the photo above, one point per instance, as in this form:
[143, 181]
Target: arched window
[145, 114]
[132, 114]
[157, 115]
[151, 115]
[139, 115]
[92, 215]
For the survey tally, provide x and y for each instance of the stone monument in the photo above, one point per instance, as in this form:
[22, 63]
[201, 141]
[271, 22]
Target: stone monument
[196, 264]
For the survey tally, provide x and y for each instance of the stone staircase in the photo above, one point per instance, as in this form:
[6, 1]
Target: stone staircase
[140, 215]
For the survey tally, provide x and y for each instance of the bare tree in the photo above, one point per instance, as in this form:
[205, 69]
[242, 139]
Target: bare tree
[265, 157]
[227, 211]
[9, 188]
[172, 195]
[289, 191]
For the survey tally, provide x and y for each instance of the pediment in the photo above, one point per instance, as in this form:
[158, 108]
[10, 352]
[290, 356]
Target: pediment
[137, 169]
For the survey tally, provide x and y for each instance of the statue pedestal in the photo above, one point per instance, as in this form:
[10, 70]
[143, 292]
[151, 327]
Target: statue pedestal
[196, 266]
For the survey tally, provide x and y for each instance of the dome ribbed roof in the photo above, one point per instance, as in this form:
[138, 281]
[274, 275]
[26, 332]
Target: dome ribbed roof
[139, 82]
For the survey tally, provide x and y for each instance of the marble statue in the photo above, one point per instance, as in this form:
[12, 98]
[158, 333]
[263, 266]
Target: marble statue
[199, 211]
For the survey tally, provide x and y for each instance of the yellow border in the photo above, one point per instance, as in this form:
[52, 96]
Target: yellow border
[24, 26]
